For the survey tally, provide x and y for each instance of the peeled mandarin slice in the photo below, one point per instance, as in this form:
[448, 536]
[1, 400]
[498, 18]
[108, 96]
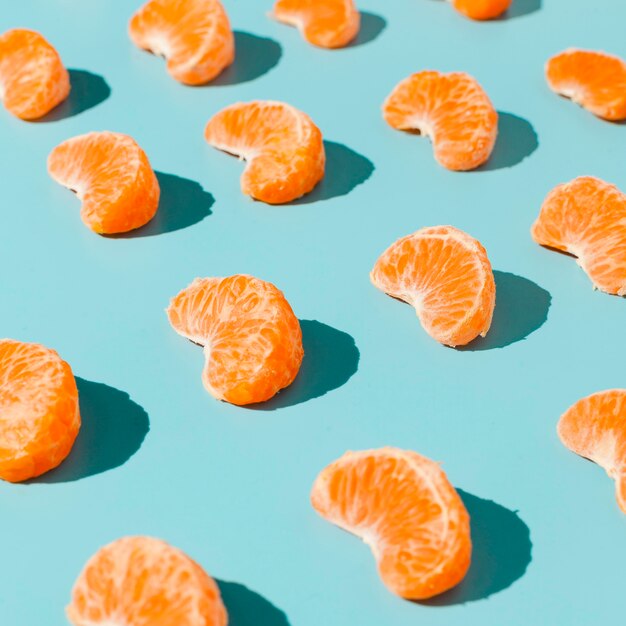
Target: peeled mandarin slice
[33, 79]
[112, 176]
[141, 581]
[482, 9]
[193, 35]
[452, 109]
[587, 218]
[403, 507]
[323, 23]
[283, 147]
[251, 337]
[446, 276]
[594, 80]
[39, 414]
[595, 427]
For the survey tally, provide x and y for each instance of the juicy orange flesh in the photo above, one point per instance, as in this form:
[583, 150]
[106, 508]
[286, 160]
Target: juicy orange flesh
[482, 9]
[39, 416]
[252, 339]
[595, 427]
[452, 109]
[193, 35]
[283, 147]
[141, 581]
[33, 80]
[595, 80]
[112, 176]
[587, 218]
[403, 506]
[446, 275]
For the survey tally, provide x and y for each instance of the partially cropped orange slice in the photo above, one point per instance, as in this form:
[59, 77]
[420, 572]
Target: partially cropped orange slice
[141, 581]
[323, 23]
[251, 337]
[481, 9]
[452, 109]
[595, 427]
[401, 504]
[594, 80]
[446, 276]
[33, 79]
[193, 35]
[39, 414]
[587, 218]
[112, 176]
[283, 147]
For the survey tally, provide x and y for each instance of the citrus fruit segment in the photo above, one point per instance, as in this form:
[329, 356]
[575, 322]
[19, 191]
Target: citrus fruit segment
[252, 339]
[446, 276]
[283, 148]
[481, 9]
[452, 109]
[587, 218]
[112, 177]
[39, 413]
[595, 427]
[403, 507]
[594, 80]
[194, 36]
[141, 581]
[323, 23]
[33, 79]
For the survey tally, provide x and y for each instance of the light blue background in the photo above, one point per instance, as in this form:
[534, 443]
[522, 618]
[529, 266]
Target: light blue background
[230, 485]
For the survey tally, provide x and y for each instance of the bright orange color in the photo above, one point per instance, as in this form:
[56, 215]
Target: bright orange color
[283, 147]
[39, 414]
[587, 218]
[112, 176]
[482, 9]
[140, 581]
[33, 79]
[594, 80]
[193, 35]
[446, 275]
[452, 109]
[251, 337]
[323, 23]
[402, 505]
[595, 427]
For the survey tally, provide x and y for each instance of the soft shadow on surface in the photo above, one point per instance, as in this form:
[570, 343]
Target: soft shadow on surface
[521, 308]
[88, 90]
[113, 429]
[345, 170]
[254, 57]
[330, 359]
[182, 203]
[247, 608]
[516, 140]
[502, 551]
[520, 8]
[372, 26]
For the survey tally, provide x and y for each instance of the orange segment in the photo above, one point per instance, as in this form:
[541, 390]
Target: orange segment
[323, 23]
[112, 176]
[283, 147]
[251, 337]
[481, 9]
[141, 581]
[587, 218]
[452, 109]
[39, 414]
[193, 35]
[33, 79]
[401, 505]
[595, 427]
[446, 276]
[594, 80]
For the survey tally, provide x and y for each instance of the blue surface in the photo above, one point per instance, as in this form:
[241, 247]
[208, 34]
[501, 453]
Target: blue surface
[230, 485]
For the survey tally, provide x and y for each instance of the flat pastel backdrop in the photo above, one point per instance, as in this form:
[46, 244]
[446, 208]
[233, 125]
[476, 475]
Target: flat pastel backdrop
[157, 455]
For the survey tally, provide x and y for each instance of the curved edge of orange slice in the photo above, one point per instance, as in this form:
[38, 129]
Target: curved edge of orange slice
[482, 9]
